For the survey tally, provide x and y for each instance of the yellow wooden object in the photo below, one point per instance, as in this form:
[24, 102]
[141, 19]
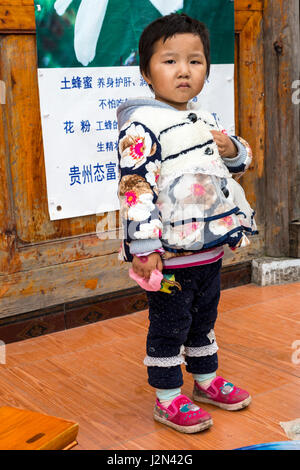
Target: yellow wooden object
[29, 430]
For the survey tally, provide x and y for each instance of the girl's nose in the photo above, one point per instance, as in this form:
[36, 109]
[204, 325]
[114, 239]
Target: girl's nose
[183, 69]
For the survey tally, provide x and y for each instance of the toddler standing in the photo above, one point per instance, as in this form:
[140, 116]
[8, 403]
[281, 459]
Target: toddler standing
[180, 205]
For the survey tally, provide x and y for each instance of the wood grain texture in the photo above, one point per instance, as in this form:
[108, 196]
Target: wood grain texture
[249, 117]
[54, 285]
[18, 15]
[94, 376]
[252, 5]
[282, 175]
[29, 430]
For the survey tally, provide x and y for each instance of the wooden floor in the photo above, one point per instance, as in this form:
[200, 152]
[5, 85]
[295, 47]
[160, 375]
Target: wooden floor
[94, 375]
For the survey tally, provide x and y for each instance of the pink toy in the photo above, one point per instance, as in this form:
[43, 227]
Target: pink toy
[152, 284]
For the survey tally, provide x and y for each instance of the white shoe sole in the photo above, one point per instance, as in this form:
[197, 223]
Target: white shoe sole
[185, 429]
[224, 406]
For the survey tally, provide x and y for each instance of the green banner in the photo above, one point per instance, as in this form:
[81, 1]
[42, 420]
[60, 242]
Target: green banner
[66, 29]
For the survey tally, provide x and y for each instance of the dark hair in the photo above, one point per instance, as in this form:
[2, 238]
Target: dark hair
[166, 27]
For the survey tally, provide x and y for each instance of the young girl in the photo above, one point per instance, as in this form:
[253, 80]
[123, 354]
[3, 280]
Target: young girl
[180, 205]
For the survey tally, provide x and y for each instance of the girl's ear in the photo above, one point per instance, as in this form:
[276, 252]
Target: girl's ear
[146, 78]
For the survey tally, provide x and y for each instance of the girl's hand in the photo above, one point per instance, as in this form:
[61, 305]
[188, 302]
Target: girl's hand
[144, 267]
[225, 145]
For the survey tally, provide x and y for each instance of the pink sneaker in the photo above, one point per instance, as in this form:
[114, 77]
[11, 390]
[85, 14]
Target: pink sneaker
[223, 394]
[183, 415]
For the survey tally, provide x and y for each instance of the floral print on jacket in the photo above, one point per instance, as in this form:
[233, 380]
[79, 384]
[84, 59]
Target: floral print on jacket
[186, 213]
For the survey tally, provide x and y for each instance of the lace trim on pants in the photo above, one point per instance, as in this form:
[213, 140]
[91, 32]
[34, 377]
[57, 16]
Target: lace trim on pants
[172, 361]
[200, 351]
[165, 361]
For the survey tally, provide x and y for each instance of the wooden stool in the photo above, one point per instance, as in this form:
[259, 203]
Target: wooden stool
[29, 430]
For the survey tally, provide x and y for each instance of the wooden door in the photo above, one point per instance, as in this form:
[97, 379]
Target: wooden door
[250, 113]
[43, 262]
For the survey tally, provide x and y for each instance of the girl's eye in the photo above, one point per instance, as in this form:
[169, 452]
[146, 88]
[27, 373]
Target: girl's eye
[170, 61]
[195, 62]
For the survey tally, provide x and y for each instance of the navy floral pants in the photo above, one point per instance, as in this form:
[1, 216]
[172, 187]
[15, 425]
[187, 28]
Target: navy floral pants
[181, 329]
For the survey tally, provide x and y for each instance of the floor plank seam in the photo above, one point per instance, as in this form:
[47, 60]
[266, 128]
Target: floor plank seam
[254, 303]
[259, 361]
[73, 351]
[260, 394]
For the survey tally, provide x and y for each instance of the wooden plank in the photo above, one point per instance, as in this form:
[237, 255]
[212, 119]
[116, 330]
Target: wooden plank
[40, 257]
[261, 335]
[281, 55]
[249, 111]
[32, 220]
[295, 239]
[294, 125]
[7, 224]
[18, 3]
[16, 19]
[250, 5]
[241, 18]
[255, 425]
[29, 190]
[77, 374]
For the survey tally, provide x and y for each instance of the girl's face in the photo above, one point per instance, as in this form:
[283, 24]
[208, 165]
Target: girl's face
[177, 69]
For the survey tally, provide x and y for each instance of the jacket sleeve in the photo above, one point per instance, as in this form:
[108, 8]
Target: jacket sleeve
[239, 164]
[139, 154]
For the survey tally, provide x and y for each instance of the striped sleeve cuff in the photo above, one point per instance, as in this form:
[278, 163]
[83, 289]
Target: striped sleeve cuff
[145, 246]
[238, 163]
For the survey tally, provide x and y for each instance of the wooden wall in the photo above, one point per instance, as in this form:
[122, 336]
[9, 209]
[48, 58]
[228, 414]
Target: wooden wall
[282, 169]
[43, 262]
